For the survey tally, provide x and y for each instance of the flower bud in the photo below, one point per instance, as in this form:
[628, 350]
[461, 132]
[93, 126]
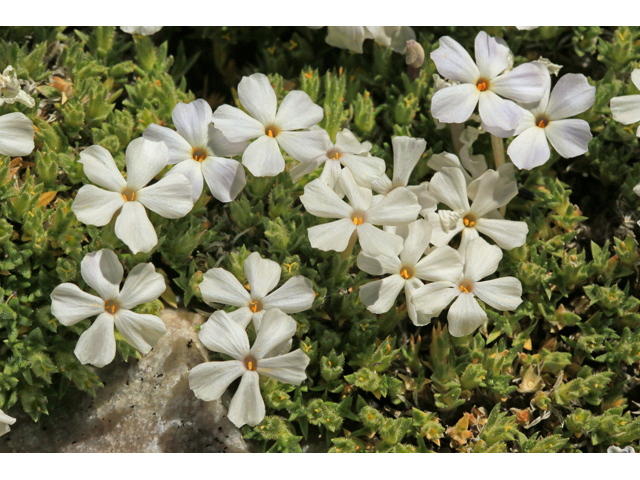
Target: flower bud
[414, 54]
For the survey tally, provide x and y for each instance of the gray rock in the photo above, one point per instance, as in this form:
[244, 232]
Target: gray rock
[145, 406]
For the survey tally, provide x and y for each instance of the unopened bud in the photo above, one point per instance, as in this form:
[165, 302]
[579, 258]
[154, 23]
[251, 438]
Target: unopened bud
[414, 54]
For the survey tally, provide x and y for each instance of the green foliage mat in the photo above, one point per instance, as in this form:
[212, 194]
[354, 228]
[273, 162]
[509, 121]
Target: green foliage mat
[561, 373]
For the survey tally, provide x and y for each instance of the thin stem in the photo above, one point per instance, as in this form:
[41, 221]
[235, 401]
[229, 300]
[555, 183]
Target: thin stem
[498, 150]
[456, 131]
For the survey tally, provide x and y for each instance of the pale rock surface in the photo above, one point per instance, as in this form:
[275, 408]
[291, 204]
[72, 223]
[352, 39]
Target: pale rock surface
[145, 406]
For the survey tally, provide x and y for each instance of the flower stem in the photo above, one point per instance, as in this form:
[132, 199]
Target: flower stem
[456, 131]
[498, 150]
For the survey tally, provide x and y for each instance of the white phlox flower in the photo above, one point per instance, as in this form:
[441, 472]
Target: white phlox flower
[465, 315]
[438, 84]
[482, 83]
[407, 271]
[221, 334]
[549, 122]
[407, 152]
[352, 38]
[220, 286]
[197, 148]
[358, 216]
[626, 109]
[5, 421]
[271, 126]
[347, 152]
[141, 30]
[103, 272]
[16, 135]
[170, 197]
[10, 91]
[491, 191]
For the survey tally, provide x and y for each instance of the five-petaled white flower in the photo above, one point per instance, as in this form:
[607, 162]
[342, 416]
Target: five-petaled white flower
[10, 91]
[347, 152]
[221, 334]
[197, 149]
[407, 271]
[549, 121]
[465, 315]
[399, 207]
[490, 191]
[5, 421]
[272, 126]
[352, 38]
[627, 109]
[263, 275]
[169, 197]
[141, 30]
[103, 272]
[406, 153]
[482, 82]
[16, 135]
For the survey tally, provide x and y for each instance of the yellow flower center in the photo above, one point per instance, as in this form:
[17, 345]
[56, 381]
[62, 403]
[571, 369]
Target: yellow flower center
[542, 122]
[469, 220]
[111, 306]
[334, 154]
[129, 195]
[250, 363]
[199, 154]
[407, 272]
[255, 306]
[272, 131]
[466, 287]
[482, 84]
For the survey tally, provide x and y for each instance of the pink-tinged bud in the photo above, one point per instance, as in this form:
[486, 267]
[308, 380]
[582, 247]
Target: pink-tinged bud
[414, 54]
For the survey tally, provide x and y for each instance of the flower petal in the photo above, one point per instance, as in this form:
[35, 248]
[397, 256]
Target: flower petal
[501, 293]
[221, 147]
[365, 170]
[70, 305]
[347, 142]
[507, 234]
[456, 103]
[145, 159]
[236, 125]
[492, 57]
[141, 331]
[297, 111]
[101, 169]
[225, 178]
[95, 206]
[359, 197]
[524, 84]
[441, 264]
[192, 121]
[247, 406]
[296, 295]
[262, 274]
[16, 135]
[287, 368]
[143, 285]
[529, 149]
[277, 327]
[258, 97]
[211, 379]
[103, 272]
[220, 286]
[498, 112]
[434, 297]
[571, 95]
[493, 191]
[416, 241]
[569, 137]
[332, 236]
[171, 197]
[375, 241]
[465, 315]
[481, 259]
[626, 109]
[134, 228]
[349, 38]
[179, 148]
[263, 158]
[399, 207]
[453, 62]
[242, 316]
[439, 237]
[193, 171]
[303, 146]
[97, 345]
[221, 334]
[406, 153]
[418, 318]
[450, 187]
[380, 295]
[321, 201]
[378, 265]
